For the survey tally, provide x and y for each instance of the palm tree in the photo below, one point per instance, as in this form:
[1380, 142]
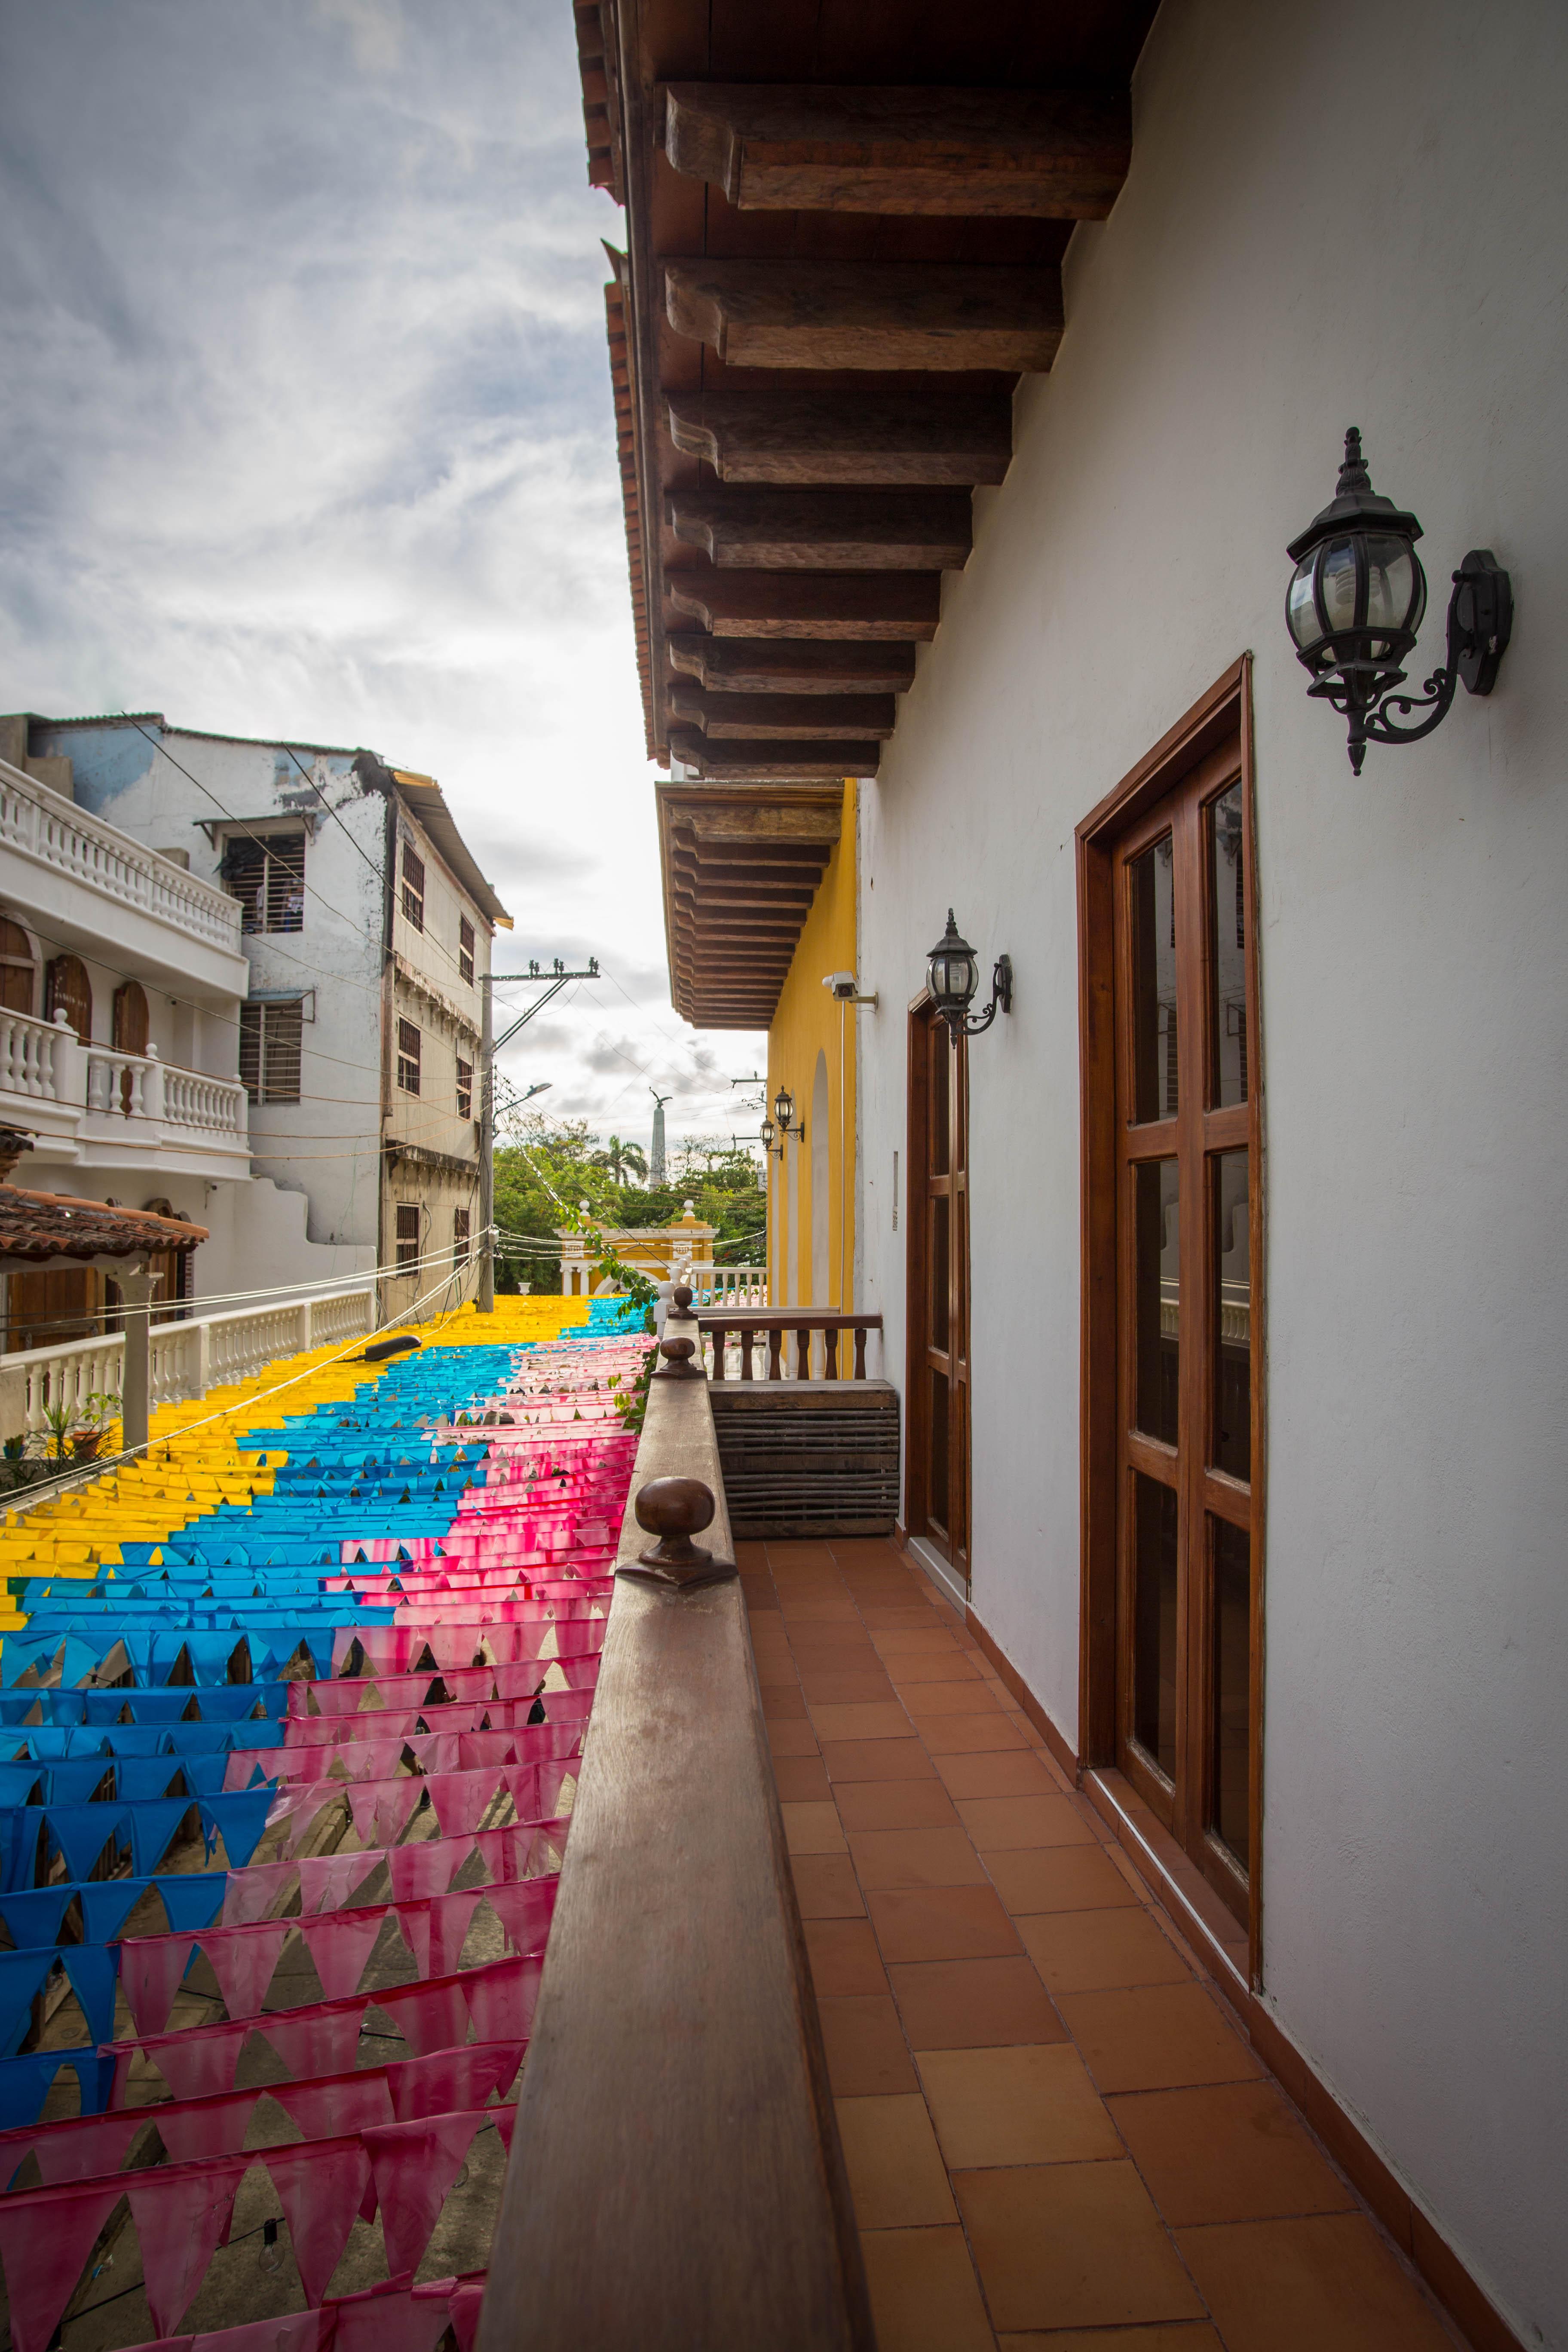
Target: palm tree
[619, 1158]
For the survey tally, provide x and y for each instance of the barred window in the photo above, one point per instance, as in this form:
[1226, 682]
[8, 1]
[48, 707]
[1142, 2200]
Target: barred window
[465, 949]
[408, 1057]
[267, 874]
[270, 1040]
[459, 1236]
[414, 887]
[465, 1088]
[408, 1233]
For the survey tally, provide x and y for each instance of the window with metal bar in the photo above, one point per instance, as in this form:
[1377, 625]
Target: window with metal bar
[408, 1042]
[465, 1089]
[465, 949]
[407, 1253]
[271, 1038]
[414, 887]
[267, 874]
[459, 1236]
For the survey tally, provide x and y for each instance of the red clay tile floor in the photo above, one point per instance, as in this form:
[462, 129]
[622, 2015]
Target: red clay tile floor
[1056, 2136]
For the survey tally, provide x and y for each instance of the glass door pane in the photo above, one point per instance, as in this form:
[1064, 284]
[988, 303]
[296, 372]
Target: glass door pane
[1232, 1317]
[1230, 1726]
[1155, 1618]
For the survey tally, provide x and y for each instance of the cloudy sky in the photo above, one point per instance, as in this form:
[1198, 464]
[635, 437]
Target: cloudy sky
[309, 434]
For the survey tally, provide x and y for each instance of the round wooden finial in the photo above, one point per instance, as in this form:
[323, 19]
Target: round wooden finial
[675, 1509]
[678, 1364]
[680, 1298]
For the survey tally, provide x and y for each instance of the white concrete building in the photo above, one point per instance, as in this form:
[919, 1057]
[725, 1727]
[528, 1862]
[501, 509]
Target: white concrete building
[364, 930]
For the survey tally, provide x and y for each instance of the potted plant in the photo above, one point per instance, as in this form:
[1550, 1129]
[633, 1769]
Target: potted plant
[90, 1423]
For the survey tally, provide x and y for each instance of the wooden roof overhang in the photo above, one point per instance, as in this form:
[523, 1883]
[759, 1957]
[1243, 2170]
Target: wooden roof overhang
[741, 863]
[845, 227]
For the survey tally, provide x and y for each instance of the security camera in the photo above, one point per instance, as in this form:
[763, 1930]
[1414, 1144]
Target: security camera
[846, 988]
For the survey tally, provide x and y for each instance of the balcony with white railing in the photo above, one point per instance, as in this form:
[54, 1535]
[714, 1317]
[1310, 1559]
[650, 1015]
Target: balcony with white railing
[69, 866]
[96, 1107]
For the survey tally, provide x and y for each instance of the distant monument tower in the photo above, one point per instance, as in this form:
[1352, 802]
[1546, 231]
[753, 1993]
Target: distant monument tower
[656, 1157]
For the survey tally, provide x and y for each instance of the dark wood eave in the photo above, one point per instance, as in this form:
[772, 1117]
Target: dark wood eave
[740, 863]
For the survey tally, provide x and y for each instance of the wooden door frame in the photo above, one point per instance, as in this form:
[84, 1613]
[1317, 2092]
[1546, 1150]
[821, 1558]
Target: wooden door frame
[1224, 710]
[917, 1387]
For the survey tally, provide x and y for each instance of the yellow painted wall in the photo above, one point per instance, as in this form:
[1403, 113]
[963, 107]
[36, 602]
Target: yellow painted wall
[808, 1022]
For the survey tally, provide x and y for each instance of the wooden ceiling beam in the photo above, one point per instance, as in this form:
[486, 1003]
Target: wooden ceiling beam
[867, 314]
[825, 530]
[980, 154]
[764, 822]
[762, 757]
[792, 664]
[899, 439]
[721, 716]
[855, 605]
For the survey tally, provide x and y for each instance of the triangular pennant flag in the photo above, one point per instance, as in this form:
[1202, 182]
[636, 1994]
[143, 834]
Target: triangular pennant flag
[389, 2320]
[414, 1919]
[461, 1799]
[463, 2313]
[450, 2082]
[502, 1997]
[341, 1946]
[22, 1975]
[94, 1973]
[107, 1904]
[182, 2213]
[198, 2062]
[327, 1880]
[34, 1917]
[88, 2147]
[152, 1825]
[241, 1820]
[191, 1899]
[45, 2238]
[425, 1868]
[343, 2103]
[195, 2130]
[152, 1969]
[525, 1909]
[428, 2016]
[320, 2039]
[295, 2331]
[250, 1894]
[321, 2187]
[449, 1916]
[81, 1833]
[415, 2164]
[242, 1959]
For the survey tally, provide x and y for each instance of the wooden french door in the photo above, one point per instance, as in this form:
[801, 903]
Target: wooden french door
[936, 1503]
[1189, 1436]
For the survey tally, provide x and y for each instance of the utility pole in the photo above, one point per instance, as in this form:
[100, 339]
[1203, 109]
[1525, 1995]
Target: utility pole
[552, 982]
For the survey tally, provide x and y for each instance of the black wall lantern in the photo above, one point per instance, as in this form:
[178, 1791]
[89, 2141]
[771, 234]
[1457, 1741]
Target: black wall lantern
[952, 975]
[1355, 603]
[784, 1111]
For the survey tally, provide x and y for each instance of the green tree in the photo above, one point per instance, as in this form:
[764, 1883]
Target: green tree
[617, 1158]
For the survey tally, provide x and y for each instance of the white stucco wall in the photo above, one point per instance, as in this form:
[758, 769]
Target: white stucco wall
[1335, 215]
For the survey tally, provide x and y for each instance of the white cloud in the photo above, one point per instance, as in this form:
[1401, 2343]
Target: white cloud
[310, 434]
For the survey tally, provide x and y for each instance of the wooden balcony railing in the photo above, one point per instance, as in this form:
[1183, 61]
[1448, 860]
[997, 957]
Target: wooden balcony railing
[676, 2182]
[775, 1327]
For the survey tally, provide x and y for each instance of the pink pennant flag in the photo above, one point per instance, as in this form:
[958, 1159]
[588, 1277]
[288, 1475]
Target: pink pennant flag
[505, 2121]
[301, 1804]
[341, 1946]
[192, 2130]
[181, 2212]
[321, 2039]
[433, 2016]
[327, 1880]
[449, 2082]
[437, 1751]
[390, 2319]
[463, 2314]
[242, 1959]
[478, 1750]
[461, 1799]
[340, 2104]
[449, 1916]
[195, 2064]
[251, 1893]
[152, 1969]
[295, 2331]
[380, 1808]
[85, 2148]
[525, 1909]
[321, 2187]
[502, 1997]
[45, 2236]
[414, 1921]
[425, 1867]
[415, 2164]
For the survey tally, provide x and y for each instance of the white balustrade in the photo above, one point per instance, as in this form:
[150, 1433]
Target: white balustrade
[727, 1286]
[42, 1062]
[187, 1359]
[31, 1056]
[217, 1105]
[36, 821]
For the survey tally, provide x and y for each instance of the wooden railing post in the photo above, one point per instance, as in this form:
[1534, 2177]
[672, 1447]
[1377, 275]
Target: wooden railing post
[775, 1340]
[748, 1338]
[859, 1352]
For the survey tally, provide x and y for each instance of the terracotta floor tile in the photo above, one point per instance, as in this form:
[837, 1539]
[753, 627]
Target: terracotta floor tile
[797, 1551]
[1000, 1824]
[882, 1617]
[876, 1759]
[1029, 2106]
[895, 1805]
[783, 1702]
[927, 1701]
[1073, 2245]
[924, 2294]
[940, 1666]
[1301, 2285]
[1060, 1878]
[844, 1957]
[1231, 2152]
[866, 1720]
[791, 1739]
[826, 1886]
[974, 2004]
[915, 1642]
[897, 2178]
[1159, 2038]
[813, 1828]
[867, 2053]
[915, 1857]
[826, 1686]
[1008, 1773]
[1172, 2336]
[941, 1923]
[967, 1735]
[831, 1609]
[800, 1778]
[1100, 1951]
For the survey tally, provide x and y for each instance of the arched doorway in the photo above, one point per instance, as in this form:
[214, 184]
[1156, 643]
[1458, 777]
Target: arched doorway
[68, 990]
[129, 1033]
[17, 967]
